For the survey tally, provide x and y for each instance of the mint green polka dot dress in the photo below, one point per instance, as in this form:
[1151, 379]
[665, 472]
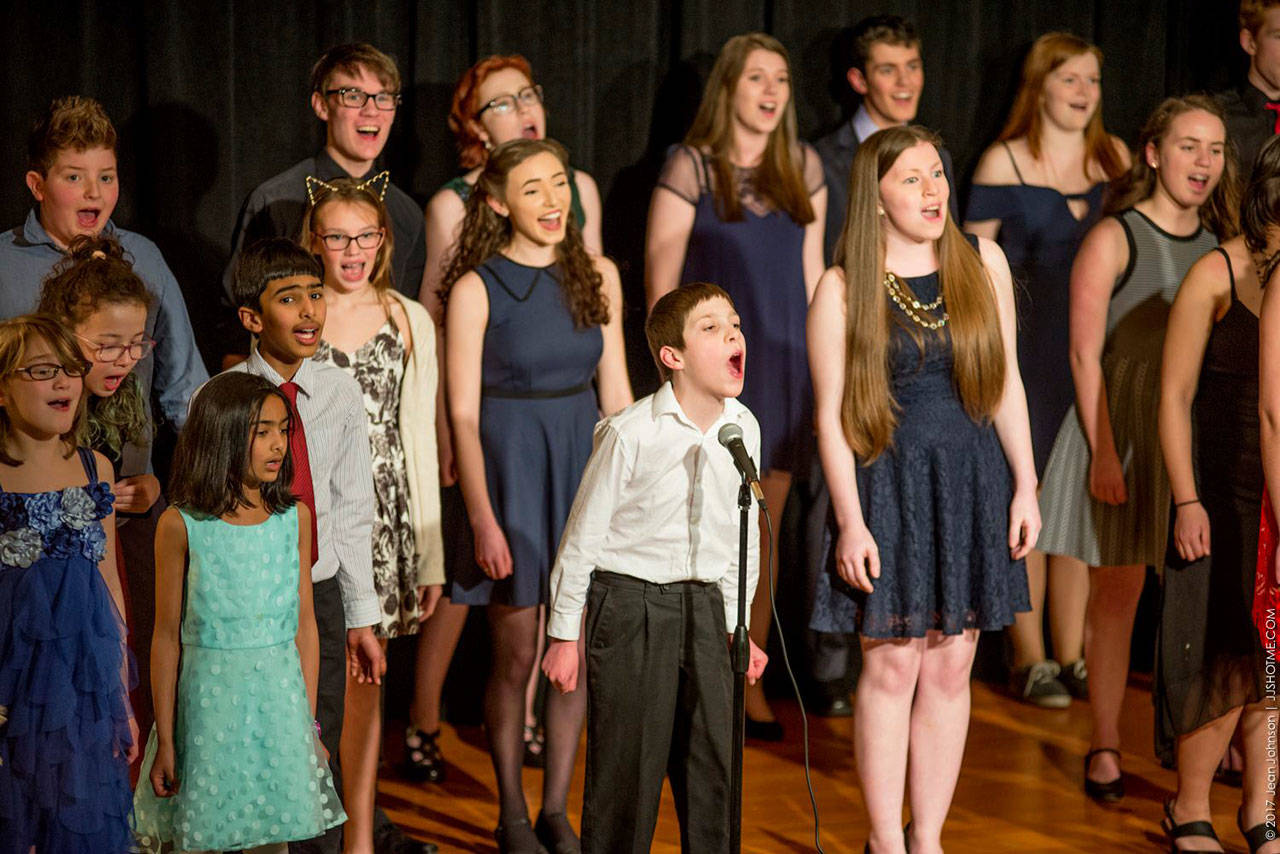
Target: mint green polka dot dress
[248, 762]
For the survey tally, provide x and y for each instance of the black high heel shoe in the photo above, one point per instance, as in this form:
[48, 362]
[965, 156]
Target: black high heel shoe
[1108, 792]
[517, 837]
[423, 761]
[1174, 831]
[1258, 835]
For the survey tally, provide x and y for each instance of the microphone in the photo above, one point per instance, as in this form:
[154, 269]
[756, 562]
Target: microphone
[730, 436]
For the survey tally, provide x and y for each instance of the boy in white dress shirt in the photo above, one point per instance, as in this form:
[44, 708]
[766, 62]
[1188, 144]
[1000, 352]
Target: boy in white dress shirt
[651, 551]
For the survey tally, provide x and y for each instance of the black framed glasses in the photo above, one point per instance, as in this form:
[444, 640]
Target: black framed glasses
[350, 96]
[42, 371]
[529, 96]
[339, 242]
[138, 350]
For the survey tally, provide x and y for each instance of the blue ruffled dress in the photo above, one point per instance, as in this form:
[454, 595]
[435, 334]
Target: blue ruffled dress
[64, 781]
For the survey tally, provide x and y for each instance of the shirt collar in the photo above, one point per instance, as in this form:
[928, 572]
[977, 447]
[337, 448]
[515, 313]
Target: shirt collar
[327, 168]
[665, 403]
[1255, 100]
[301, 378]
[34, 234]
[863, 124]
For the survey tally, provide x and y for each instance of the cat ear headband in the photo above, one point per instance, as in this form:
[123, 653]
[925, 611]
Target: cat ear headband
[376, 185]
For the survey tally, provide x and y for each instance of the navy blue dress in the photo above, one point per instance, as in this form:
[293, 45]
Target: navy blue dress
[1040, 235]
[537, 413]
[936, 503]
[759, 261]
[64, 781]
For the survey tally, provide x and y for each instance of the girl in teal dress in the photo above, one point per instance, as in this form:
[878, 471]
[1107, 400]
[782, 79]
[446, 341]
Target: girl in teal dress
[234, 760]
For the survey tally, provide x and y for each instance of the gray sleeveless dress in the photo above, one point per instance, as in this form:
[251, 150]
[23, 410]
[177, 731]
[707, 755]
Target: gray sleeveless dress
[1134, 532]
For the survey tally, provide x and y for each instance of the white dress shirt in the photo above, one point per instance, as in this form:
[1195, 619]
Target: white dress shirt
[331, 406]
[658, 501]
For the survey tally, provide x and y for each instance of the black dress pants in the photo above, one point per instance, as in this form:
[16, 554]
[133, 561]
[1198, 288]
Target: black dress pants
[660, 698]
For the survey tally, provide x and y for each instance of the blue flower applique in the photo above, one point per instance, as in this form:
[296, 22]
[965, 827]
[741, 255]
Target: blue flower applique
[103, 498]
[62, 542]
[93, 543]
[78, 507]
[44, 510]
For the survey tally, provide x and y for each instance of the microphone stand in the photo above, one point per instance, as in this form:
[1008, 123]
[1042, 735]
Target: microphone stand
[741, 658]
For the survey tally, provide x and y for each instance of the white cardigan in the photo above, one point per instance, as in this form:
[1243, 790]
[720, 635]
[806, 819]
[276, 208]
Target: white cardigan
[418, 436]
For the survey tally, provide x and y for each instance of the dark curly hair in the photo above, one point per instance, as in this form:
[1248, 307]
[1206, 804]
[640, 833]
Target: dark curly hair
[484, 233]
[97, 272]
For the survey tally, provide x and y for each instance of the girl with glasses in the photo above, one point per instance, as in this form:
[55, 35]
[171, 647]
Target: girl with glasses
[66, 734]
[95, 294]
[387, 343]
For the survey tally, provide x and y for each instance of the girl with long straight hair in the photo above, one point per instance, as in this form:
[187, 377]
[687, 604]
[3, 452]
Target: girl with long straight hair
[530, 321]
[1036, 192]
[925, 445]
[742, 204]
[1106, 494]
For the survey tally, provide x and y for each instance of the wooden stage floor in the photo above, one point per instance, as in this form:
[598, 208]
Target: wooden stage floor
[1020, 789]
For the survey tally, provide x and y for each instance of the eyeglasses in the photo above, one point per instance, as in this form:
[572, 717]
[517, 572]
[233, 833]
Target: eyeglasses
[137, 350]
[349, 96]
[529, 96]
[339, 242]
[48, 370]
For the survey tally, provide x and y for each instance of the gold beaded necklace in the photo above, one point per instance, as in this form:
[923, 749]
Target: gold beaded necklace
[911, 307]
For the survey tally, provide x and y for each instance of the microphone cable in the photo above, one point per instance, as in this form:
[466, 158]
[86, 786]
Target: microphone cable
[795, 686]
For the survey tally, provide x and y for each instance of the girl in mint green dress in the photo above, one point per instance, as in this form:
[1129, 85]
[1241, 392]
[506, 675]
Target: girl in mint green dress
[234, 761]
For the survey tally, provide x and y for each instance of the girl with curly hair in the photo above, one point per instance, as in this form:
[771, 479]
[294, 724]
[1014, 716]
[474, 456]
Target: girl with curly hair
[530, 321]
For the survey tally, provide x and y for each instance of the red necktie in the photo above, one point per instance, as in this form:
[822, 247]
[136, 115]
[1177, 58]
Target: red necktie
[302, 486]
[1274, 106]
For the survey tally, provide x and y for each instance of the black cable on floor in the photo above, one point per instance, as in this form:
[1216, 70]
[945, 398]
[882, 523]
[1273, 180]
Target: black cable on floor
[786, 661]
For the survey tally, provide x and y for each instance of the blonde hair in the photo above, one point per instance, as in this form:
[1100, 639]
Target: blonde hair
[17, 334]
[778, 177]
[868, 410]
[353, 192]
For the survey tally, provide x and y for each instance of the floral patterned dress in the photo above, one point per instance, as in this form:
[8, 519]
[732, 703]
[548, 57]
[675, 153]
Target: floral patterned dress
[379, 368]
[64, 781]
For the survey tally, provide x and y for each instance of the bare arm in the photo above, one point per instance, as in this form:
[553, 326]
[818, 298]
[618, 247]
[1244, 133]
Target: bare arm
[308, 637]
[857, 559]
[1200, 300]
[813, 237]
[443, 219]
[171, 557]
[466, 317]
[1011, 420]
[1269, 384]
[665, 243]
[615, 385]
[1099, 262]
[592, 211]
[107, 566]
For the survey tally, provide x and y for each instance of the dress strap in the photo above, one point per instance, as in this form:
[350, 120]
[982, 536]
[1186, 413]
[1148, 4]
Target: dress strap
[1014, 163]
[1231, 273]
[90, 464]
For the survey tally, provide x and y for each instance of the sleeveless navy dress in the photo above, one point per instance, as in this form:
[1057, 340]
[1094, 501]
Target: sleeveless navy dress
[537, 413]
[937, 504]
[1040, 235]
[759, 261]
[64, 781]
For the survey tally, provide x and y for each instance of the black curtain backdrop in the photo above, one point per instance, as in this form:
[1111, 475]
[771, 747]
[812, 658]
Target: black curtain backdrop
[211, 97]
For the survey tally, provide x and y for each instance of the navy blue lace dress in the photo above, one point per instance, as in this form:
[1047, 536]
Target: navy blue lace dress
[936, 503]
[64, 781]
